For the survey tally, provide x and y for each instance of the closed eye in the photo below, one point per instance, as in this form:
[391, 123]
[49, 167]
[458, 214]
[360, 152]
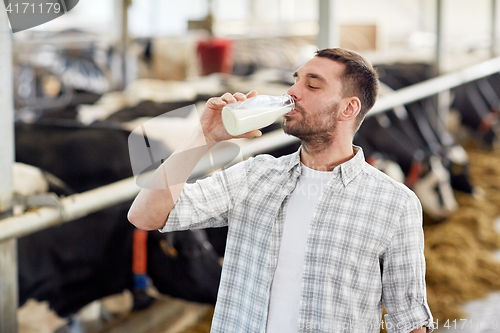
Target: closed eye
[313, 87]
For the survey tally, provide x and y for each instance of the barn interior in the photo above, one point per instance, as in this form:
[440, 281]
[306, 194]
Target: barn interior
[79, 90]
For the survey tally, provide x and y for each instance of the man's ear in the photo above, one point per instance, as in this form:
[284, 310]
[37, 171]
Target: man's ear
[352, 106]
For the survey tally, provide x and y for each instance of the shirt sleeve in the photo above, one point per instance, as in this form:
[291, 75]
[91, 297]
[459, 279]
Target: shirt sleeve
[206, 203]
[403, 274]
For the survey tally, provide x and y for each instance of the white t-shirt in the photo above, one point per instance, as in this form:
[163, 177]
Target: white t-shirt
[287, 283]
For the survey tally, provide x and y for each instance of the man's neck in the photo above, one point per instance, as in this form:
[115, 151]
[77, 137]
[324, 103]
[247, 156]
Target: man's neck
[328, 158]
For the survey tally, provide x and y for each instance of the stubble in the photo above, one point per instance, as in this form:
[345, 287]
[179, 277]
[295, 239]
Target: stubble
[316, 130]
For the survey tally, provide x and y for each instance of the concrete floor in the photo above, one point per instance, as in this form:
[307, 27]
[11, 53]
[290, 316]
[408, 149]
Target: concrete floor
[483, 315]
[165, 315]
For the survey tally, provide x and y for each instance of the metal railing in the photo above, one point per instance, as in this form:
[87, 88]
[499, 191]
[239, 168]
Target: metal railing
[82, 204]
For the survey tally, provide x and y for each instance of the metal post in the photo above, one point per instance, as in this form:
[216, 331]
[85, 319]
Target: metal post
[493, 43]
[439, 38]
[124, 41]
[121, 31]
[441, 100]
[254, 12]
[328, 35]
[8, 249]
[443, 109]
[8, 286]
[421, 15]
[285, 19]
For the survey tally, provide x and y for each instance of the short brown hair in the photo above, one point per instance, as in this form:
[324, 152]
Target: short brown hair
[360, 78]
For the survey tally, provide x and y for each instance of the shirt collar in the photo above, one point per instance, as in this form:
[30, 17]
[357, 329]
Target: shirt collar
[348, 170]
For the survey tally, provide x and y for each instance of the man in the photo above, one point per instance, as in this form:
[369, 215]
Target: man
[317, 240]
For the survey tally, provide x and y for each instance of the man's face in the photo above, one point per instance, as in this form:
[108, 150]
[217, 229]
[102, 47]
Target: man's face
[317, 93]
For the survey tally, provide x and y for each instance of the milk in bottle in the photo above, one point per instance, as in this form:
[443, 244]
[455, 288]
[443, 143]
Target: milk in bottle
[254, 113]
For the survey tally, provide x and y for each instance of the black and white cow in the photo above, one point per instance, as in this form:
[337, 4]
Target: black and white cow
[478, 104]
[430, 133]
[78, 262]
[423, 170]
[425, 154]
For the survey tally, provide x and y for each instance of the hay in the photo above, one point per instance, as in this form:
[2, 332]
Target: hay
[458, 251]
[460, 264]
[203, 326]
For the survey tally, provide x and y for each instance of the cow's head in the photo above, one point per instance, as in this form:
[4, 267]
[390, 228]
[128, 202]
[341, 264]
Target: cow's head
[434, 190]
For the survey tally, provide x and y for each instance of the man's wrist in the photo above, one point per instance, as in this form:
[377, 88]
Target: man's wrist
[201, 138]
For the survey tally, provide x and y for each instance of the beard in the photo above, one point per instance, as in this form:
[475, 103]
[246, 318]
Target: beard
[317, 130]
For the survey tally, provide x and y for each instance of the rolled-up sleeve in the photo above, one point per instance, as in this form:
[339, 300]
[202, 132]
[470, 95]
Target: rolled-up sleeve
[205, 203]
[403, 274]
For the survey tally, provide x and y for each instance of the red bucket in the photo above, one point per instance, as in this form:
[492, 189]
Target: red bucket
[216, 55]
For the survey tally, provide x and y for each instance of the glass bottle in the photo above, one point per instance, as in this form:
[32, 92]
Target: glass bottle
[254, 113]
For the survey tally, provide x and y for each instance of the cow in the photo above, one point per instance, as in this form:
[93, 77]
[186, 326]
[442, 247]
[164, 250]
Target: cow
[429, 130]
[75, 263]
[407, 136]
[477, 103]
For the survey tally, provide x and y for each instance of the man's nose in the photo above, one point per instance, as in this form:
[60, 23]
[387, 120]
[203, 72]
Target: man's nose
[292, 91]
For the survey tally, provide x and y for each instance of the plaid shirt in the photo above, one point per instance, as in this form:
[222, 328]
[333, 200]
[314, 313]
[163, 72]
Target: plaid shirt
[364, 247]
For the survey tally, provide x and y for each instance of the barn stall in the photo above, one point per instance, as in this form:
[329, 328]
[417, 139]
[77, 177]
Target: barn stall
[410, 133]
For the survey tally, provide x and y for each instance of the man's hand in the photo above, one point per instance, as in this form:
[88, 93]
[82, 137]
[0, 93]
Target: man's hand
[211, 120]
[419, 330]
[152, 206]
